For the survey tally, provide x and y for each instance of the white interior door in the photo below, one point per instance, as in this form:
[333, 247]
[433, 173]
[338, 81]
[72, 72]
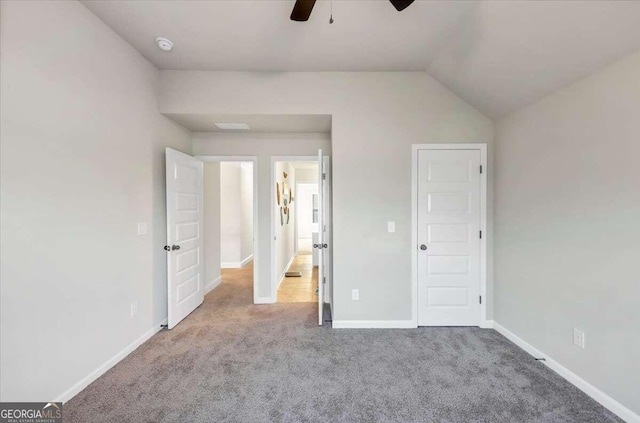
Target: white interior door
[449, 237]
[184, 235]
[327, 276]
[321, 238]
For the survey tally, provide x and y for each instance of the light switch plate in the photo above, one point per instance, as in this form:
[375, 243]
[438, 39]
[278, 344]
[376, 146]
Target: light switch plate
[578, 338]
[355, 294]
[142, 229]
[391, 227]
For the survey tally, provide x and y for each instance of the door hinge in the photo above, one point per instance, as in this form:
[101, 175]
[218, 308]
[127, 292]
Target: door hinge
[480, 168]
[324, 279]
[480, 234]
[480, 299]
[324, 176]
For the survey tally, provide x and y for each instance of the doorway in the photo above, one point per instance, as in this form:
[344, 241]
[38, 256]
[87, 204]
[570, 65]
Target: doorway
[230, 221]
[296, 182]
[193, 228]
[301, 242]
[449, 234]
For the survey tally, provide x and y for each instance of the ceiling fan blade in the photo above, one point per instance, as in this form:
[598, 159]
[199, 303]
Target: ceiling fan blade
[302, 10]
[400, 5]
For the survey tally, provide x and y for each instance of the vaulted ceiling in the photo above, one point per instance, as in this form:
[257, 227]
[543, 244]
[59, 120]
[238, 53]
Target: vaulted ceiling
[496, 55]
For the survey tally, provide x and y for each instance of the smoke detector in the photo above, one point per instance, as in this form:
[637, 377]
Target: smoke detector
[164, 44]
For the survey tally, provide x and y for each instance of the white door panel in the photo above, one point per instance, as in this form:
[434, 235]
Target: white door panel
[321, 236]
[184, 235]
[327, 277]
[449, 236]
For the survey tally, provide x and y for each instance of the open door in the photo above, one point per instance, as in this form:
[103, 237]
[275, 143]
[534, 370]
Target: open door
[327, 275]
[321, 239]
[184, 235]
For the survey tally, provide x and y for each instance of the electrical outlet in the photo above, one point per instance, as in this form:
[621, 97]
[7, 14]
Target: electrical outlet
[134, 309]
[578, 338]
[355, 294]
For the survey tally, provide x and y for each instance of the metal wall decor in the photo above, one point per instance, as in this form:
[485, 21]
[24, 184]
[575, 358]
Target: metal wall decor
[284, 196]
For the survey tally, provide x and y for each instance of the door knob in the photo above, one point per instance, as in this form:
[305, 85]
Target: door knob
[175, 247]
[423, 247]
[315, 245]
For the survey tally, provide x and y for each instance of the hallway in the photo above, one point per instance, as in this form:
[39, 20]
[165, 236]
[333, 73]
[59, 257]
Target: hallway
[300, 289]
[239, 278]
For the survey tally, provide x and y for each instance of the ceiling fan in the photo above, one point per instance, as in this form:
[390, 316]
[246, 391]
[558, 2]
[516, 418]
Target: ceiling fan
[302, 9]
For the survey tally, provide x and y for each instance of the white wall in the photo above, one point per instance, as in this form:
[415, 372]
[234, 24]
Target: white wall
[372, 133]
[230, 214]
[263, 146]
[246, 200]
[567, 219]
[307, 175]
[236, 199]
[285, 234]
[212, 227]
[304, 209]
[82, 162]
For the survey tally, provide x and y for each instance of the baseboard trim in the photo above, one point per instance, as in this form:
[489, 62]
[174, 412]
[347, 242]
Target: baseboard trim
[605, 400]
[236, 264]
[286, 269]
[244, 262]
[103, 368]
[264, 300]
[212, 285]
[487, 324]
[373, 324]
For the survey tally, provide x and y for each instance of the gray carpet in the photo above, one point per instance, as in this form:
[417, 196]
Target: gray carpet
[231, 361]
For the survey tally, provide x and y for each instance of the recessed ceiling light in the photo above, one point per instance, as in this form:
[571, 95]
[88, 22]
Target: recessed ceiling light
[164, 44]
[235, 126]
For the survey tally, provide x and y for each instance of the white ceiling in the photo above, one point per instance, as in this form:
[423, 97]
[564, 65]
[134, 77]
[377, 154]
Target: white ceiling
[497, 55]
[257, 123]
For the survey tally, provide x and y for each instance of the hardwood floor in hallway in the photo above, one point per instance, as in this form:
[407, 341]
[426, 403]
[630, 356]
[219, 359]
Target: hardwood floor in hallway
[301, 289]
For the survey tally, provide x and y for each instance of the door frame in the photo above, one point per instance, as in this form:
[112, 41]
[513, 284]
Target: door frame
[482, 148]
[256, 251]
[274, 278]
